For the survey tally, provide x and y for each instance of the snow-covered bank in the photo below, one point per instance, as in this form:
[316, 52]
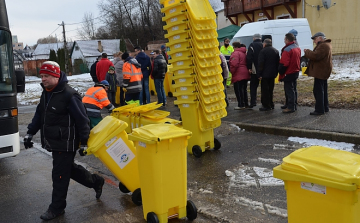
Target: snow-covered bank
[33, 89]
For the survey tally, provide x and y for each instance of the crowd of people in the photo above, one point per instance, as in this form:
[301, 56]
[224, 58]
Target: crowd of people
[129, 75]
[261, 63]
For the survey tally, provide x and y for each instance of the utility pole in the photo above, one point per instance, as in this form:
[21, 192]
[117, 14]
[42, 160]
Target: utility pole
[65, 50]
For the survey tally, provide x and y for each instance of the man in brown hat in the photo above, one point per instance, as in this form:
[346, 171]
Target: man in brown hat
[320, 67]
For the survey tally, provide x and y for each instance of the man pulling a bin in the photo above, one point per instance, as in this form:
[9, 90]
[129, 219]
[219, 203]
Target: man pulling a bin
[96, 99]
[64, 127]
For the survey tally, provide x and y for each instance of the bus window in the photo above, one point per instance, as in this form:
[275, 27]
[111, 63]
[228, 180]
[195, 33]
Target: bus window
[7, 81]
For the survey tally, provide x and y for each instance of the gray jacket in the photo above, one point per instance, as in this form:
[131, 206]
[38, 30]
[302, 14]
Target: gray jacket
[119, 63]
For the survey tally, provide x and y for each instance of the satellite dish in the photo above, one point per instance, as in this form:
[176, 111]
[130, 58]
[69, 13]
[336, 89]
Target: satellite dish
[326, 3]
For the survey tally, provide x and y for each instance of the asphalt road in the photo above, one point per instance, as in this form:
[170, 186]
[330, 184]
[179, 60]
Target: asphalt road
[233, 184]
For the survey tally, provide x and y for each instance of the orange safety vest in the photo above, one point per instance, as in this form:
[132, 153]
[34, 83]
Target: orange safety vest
[132, 78]
[96, 96]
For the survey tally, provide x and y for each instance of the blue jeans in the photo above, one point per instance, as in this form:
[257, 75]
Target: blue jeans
[145, 91]
[160, 91]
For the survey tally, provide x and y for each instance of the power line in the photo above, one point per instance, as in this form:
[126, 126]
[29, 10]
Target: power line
[82, 22]
[79, 28]
[54, 30]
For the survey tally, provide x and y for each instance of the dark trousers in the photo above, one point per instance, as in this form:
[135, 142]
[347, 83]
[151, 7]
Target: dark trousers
[122, 97]
[111, 96]
[254, 84]
[240, 88]
[132, 96]
[64, 168]
[226, 99]
[291, 94]
[296, 95]
[321, 95]
[267, 90]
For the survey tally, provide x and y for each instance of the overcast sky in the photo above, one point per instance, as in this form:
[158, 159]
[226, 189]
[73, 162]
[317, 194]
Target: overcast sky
[31, 20]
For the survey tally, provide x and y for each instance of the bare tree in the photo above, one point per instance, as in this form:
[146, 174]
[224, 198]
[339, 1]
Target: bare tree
[138, 20]
[49, 39]
[88, 29]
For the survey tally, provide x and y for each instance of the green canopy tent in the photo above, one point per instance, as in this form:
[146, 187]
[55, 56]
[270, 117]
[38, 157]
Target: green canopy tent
[227, 32]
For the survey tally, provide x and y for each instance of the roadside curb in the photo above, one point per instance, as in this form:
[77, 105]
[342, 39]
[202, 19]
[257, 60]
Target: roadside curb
[305, 133]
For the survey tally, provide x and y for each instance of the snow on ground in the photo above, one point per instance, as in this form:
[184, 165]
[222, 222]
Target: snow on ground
[33, 89]
[346, 68]
[319, 142]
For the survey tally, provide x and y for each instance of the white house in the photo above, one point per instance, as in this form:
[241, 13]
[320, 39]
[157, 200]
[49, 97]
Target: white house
[221, 19]
[88, 50]
[42, 51]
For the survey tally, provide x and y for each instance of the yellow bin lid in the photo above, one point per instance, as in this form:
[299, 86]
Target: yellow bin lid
[157, 132]
[103, 132]
[321, 165]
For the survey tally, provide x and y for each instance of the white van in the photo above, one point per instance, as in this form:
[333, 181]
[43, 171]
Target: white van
[276, 30]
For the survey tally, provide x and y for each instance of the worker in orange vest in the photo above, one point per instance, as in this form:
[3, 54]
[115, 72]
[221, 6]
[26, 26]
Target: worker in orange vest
[132, 76]
[96, 99]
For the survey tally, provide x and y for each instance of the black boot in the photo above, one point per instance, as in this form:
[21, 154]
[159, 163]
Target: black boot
[98, 186]
[49, 215]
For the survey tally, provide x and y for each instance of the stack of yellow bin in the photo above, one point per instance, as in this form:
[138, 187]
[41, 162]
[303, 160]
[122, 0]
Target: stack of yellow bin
[194, 55]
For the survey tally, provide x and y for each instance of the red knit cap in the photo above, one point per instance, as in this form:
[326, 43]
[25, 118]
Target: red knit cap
[51, 68]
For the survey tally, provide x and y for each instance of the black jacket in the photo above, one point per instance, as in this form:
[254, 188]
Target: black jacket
[145, 62]
[93, 72]
[253, 54]
[62, 118]
[160, 67]
[268, 62]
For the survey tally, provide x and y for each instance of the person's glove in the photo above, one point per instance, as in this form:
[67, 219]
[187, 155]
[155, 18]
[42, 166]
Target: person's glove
[124, 89]
[82, 150]
[111, 108]
[27, 141]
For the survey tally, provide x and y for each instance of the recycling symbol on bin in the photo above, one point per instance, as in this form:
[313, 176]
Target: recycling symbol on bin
[124, 158]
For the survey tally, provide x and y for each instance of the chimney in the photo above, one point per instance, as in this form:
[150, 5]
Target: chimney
[100, 48]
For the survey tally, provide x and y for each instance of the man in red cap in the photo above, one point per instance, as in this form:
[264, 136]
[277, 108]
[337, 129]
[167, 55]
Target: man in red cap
[61, 117]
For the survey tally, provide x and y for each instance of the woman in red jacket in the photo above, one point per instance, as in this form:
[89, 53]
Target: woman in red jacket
[240, 74]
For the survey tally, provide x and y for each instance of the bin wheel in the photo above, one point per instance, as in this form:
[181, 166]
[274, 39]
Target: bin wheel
[152, 218]
[196, 150]
[123, 188]
[191, 210]
[170, 94]
[152, 92]
[217, 144]
[136, 197]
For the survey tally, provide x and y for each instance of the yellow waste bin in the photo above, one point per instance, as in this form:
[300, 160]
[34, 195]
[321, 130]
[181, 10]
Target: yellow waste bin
[161, 151]
[109, 142]
[322, 185]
